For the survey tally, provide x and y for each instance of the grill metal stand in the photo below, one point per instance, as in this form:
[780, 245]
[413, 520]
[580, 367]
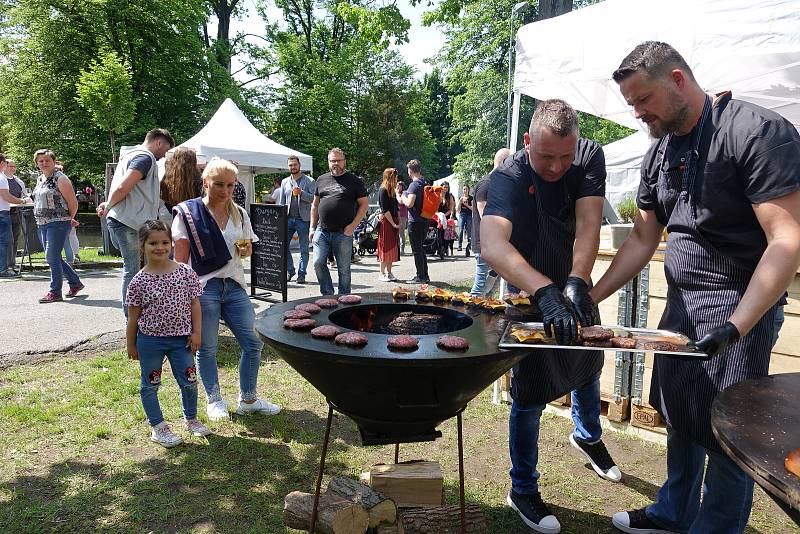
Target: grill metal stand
[396, 457]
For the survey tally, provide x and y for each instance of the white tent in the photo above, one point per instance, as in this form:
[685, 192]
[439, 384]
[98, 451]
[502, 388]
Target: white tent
[230, 135]
[751, 47]
[454, 181]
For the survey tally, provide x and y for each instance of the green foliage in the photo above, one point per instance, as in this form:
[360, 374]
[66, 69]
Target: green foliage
[627, 210]
[439, 122]
[104, 90]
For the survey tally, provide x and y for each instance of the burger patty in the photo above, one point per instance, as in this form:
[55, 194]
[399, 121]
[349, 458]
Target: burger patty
[299, 324]
[596, 333]
[452, 343]
[661, 346]
[296, 314]
[352, 339]
[623, 342]
[350, 299]
[422, 297]
[308, 307]
[405, 342]
[325, 331]
[327, 303]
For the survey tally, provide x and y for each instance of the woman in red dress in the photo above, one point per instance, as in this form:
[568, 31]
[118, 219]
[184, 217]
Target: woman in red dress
[388, 235]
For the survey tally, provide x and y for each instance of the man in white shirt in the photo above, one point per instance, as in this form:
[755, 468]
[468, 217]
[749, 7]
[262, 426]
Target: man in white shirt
[17, 188]
[6, 199]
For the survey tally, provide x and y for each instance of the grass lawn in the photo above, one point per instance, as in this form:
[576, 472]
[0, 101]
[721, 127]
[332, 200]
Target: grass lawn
[88, 255]
[76, 457]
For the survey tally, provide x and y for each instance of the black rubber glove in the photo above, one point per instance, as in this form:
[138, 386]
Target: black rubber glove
[717, 339]
[577, 291]
[558, 315]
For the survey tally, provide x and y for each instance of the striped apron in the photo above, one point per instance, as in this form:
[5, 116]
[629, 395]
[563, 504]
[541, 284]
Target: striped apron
[548, 374]
[704, 288]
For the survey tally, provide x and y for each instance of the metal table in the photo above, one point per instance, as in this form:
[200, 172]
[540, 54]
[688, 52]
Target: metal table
[757, 423]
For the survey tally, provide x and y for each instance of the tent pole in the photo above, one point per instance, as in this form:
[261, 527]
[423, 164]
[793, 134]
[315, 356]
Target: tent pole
[512, 141]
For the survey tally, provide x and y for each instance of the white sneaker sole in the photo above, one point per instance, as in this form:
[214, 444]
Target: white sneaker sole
[596, 469]
[239, 411]
[218, 418]
[528, 522]
[166, 445]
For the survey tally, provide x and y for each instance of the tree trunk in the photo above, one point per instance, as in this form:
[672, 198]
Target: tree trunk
[442, 520]
[334, 514]
[113, 146]
[381, 509]
[553, 8]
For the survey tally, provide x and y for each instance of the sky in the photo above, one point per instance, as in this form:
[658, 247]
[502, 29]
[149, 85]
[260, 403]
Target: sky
[423, 42]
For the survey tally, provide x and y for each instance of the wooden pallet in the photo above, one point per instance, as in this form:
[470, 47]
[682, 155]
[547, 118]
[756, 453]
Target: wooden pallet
[616, 411]
[644, 416]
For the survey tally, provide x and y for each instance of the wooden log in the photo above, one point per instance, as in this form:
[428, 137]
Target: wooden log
[381, 509]
[442, 520]
[408, 483]
[334, 514]
[396, 528]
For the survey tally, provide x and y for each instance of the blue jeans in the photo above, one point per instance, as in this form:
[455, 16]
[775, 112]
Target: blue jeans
[52, 235]
[5, 238]
[727, 491]
[342, 247]
[778, 324]
[481, 270]
[523, 433]
[465, 220]
[126, 239]
[224, 297]
[301, 227]
[152, 350]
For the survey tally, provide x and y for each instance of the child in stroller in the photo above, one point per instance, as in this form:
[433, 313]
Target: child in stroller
[366, 233]
[434, 244]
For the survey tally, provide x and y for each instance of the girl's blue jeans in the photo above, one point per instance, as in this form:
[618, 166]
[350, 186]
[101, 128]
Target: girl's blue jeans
[152, 350]
[225, 298]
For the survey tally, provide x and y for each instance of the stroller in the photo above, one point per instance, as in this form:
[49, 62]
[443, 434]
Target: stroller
[433, 243]
[366, 233]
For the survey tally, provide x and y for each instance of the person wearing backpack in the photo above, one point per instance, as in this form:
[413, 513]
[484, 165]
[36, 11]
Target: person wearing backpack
[417, 223]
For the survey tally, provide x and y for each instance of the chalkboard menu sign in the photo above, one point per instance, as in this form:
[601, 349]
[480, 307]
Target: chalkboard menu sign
[268, 263]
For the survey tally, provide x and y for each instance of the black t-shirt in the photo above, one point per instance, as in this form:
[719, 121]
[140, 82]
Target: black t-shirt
[754, 157]
[513, 192]
[338, 200]
[417, 187]
[464, 209]
[481, 193]
[388, 203]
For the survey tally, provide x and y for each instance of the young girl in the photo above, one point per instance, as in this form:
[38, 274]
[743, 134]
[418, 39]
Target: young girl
[164, 319]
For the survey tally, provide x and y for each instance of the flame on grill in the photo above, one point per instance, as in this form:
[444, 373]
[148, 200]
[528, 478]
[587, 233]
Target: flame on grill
[362, 325]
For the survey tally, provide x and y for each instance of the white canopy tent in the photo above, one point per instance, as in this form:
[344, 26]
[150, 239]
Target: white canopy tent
[230, 135]
[751, 47]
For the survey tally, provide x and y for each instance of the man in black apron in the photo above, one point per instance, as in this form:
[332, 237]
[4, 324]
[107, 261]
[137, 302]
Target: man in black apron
[540, 231]
[724, 179]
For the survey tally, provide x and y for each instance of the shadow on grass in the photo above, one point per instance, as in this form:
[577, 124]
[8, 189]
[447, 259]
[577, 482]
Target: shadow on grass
[230, 484]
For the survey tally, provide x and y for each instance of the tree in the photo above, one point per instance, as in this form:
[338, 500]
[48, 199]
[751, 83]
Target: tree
[104, 89]
[437, 118]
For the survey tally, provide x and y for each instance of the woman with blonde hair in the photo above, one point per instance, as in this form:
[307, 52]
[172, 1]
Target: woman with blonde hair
[182, 180]
[213, 235]
[388, 235]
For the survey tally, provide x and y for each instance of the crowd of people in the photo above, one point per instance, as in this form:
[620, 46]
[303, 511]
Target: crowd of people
[720, 178]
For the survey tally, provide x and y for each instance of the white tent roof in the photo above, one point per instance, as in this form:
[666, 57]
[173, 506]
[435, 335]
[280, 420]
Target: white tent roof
[751, 47]
[230, 135]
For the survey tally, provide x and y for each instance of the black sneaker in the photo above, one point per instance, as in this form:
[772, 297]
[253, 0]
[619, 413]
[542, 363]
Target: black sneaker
[289, 277]
[534, 512]
[598, 456]
[637, 522]
[301, 280]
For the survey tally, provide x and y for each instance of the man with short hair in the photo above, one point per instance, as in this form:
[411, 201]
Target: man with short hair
[540, 230]
[18, 189]
[133, 198]
[340, 202]
[479, 287]
[417, 224]
[6, 199]
[297, 193]
[722, 178]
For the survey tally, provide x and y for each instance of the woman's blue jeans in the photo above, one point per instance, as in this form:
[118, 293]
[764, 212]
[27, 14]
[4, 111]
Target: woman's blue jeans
[727, 491]
[523, 433]
[53, 235]
[152, 350]
[342, 247]
[225, 298]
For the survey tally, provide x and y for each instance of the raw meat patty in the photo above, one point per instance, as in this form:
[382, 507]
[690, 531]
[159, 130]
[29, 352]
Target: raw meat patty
[350, 299]
[327, 303]
[623, 342]
[296, 314]
[404, 342]
[308, 307]
[452, 343]
[352, 339]
[325, 331]
[299, 324]
[596, 333]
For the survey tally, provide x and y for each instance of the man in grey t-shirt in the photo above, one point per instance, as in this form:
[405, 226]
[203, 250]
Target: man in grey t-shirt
[297, 193]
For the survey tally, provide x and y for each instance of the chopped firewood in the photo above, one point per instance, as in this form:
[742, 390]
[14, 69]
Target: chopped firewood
[443, 520]
[381, 509]
[334, 514]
